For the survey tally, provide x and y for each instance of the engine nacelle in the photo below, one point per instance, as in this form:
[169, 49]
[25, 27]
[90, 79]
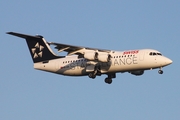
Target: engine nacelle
[104, 57]
[137, 73]
[90, 55]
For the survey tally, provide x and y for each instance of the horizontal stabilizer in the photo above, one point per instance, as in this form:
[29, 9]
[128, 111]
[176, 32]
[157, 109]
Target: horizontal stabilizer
[24, 35]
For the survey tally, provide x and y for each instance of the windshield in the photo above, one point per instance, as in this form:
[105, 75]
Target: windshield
[154, 53]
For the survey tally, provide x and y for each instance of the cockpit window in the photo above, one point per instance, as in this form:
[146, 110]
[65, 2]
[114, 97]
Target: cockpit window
[153, 54]
[159, 54]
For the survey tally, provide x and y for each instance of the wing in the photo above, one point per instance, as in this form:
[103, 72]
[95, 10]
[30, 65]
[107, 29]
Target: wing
[79, 50]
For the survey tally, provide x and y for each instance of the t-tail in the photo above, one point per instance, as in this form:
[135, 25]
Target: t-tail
[39, 49]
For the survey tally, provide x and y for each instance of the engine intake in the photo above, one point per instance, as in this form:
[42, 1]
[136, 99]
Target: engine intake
[99, 56]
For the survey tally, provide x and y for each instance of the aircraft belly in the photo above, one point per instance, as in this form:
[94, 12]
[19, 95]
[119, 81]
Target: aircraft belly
[122, 67]
[72, 71]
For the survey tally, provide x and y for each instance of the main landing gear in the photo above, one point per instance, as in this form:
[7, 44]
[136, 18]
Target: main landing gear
[107, 80]
[92, 75]
[97, 71]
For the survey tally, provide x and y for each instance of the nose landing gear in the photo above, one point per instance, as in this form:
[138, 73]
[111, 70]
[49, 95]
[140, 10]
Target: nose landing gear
[160, 71]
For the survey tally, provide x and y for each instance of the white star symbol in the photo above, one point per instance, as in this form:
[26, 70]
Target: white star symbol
[37, 50]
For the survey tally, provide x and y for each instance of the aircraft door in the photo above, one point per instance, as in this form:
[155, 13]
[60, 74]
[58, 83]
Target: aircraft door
[57, 65]
[155, 57]
[141, 56]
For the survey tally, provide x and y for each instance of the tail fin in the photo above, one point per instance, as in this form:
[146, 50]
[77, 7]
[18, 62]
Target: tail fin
[39, 49]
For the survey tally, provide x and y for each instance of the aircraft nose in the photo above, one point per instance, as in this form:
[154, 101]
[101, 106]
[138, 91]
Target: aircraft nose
[168, 61]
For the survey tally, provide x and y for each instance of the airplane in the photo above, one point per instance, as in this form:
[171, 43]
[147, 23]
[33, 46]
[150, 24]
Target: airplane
[92, 62]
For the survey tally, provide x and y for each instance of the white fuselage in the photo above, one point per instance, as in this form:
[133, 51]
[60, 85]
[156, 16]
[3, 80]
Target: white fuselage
[124, 61]
[81, 61]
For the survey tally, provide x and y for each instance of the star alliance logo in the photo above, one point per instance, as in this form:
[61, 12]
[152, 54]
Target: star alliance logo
[37, 50]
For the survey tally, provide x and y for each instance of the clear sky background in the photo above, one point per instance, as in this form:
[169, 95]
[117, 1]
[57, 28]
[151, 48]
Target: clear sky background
[28, 94]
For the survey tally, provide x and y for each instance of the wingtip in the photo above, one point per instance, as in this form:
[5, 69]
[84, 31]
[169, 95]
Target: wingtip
[8, 32]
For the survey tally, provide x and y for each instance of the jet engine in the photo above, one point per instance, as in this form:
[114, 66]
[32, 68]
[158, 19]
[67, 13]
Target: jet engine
[137, 73]
[104, 57]
[91, 55]
[100, 56]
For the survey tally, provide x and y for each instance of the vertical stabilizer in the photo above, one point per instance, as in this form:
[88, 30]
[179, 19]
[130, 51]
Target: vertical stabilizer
[38, 47]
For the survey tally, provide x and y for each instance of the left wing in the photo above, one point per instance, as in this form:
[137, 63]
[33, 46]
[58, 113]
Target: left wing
[71, 49]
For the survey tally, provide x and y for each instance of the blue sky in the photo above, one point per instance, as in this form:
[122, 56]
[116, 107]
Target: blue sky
[119, 25]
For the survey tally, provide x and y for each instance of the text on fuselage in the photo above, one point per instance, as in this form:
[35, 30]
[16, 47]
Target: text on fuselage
[126, 61]
[130, 52]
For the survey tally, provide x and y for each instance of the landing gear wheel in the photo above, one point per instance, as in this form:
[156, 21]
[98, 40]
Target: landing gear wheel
[108, 80]
[160, 72]
[91, 75]
[94, 76]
